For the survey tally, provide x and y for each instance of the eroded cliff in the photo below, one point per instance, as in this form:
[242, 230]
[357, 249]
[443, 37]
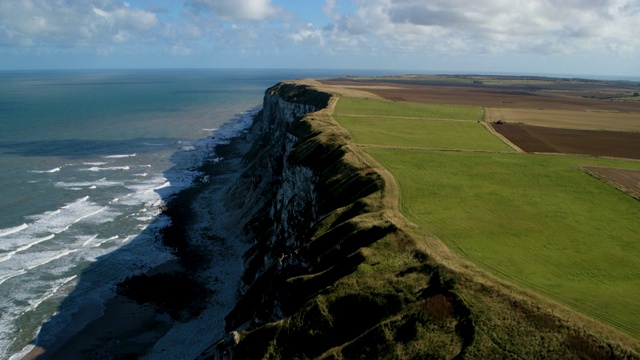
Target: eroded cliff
[332, 272]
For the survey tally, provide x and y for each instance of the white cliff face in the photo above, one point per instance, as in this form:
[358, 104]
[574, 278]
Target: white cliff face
[294, 206]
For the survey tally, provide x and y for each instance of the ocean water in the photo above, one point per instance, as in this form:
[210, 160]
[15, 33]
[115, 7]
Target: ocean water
[86, 160]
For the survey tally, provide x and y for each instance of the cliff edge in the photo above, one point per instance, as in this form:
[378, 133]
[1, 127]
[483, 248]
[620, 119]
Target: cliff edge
[333, 270]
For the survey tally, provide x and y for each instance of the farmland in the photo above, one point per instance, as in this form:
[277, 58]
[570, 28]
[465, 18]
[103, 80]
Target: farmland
[421, 133]
[557, 225]
[571, 141]
[536, 220]
[568, 119]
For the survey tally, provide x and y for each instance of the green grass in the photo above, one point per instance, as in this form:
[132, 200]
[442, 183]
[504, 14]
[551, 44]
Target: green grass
[533, 219]
[401, 132]
[405, 109]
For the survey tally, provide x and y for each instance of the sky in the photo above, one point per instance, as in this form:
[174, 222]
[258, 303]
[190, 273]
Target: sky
[592, 37]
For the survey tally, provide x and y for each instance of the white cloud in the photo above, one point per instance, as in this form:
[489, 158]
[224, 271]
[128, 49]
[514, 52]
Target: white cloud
[492, 26]
[307, 34]
[234, 9]
[33, 23]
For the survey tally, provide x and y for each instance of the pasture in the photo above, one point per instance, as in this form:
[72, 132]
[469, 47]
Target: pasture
[421, 133]
[364, 106]
[539, 221]
[536, 220]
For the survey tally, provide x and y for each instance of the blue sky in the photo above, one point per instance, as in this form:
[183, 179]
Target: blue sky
[584, 37]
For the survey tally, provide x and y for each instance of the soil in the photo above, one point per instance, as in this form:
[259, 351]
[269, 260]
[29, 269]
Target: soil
[627, 181]
[570, 141]
[490, 95]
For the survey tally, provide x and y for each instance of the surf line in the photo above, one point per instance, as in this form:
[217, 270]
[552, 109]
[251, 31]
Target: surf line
[12, 230]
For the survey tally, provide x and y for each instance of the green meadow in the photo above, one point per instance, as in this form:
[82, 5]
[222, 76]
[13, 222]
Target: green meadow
[406, 109]
[421, 133]
[536, 220]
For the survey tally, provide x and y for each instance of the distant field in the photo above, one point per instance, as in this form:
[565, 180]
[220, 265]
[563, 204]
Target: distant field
[586, 120]
[534, 219]
[558, 94]
[421, 133]
[404, 109]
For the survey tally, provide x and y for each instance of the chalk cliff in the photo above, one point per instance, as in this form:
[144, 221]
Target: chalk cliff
[332, 272]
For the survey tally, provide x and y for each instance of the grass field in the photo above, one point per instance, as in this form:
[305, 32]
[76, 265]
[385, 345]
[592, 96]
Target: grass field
[405, 109]
[421, 133]
[536, 220]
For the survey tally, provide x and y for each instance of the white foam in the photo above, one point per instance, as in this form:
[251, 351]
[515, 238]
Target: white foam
[99, 163]
[166, 184]
[61, 220]
[4, 278]
[33, 304]
[88, 184]
[23, 353]
[89, 240]
[119, 156]
[113, 168]
[47, 171]
[97, 244]
[53, 258]
[25, 247]
[13, 230]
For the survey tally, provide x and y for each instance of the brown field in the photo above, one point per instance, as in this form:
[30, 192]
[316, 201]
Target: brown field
[560, 96]
[571, 141]
[585, 120]
[623, 179]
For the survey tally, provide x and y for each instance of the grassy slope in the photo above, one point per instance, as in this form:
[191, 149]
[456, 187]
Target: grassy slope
[537, 220]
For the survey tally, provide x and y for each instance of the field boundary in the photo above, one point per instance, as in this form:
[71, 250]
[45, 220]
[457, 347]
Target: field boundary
[590, 170]
[403, 117]
[501, 137]
[371, 146]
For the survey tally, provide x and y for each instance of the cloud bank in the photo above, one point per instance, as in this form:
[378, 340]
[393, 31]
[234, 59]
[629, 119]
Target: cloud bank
[367, 28]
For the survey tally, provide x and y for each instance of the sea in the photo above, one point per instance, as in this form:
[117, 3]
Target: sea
[87, 159]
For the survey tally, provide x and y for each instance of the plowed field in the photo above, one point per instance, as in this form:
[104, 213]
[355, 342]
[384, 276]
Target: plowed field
[554, 140]
[625, 180]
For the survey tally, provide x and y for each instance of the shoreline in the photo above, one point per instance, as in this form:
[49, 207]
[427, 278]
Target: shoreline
[129, 328]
